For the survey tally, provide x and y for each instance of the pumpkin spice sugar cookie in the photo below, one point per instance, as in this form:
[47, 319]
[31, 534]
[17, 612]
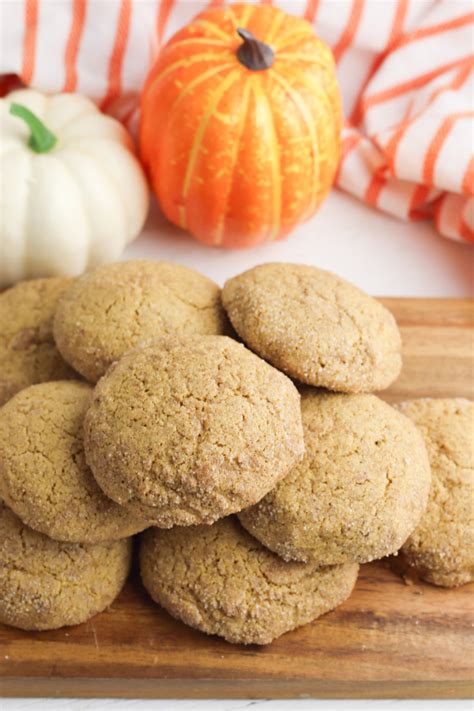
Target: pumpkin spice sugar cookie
[315, 327]
[441, 548]
[28, 353]
[188, 430]
[359, 491]
[44, 477]
[45, 584]
[220, 580]
[118, 306]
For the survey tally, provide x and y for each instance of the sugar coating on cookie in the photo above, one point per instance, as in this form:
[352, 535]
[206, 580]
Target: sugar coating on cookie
[441, 548]
[44, 477]
[359, 491]
[45, 584]
[28, 353]
[116, 307]
[187, 430]
[315, 327]
[222, 581]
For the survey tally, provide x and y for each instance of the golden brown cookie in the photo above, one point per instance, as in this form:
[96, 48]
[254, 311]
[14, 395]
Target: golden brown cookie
[315, 327]
[187, 430]
[222, 581]
[28, 353]
[45, 584]
[44, 477]
[116, 307]
[359, 491]
[441, 548]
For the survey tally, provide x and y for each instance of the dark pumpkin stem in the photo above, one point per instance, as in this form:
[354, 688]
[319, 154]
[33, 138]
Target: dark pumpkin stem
[253, 53]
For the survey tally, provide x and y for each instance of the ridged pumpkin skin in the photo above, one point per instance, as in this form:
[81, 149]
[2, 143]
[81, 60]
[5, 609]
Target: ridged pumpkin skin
[239, 157]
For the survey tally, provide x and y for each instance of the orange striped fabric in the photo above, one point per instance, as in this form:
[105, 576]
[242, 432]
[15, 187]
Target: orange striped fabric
[468, 178]
[350, 142]
[436, 145]
[72, 47]
[164, 9]
[406, 69]
[117, 55]
[29, 41]
[466, 232]
[349, 30]
[436, 29]
[418, 200]
[392, 145]
[374, 188]
[395, 33]
[311, 10]
[405, 87]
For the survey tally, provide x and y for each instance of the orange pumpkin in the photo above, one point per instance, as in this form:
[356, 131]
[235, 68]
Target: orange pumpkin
[240, 127]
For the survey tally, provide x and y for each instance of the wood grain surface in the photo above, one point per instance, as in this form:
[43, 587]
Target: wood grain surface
[388, 640]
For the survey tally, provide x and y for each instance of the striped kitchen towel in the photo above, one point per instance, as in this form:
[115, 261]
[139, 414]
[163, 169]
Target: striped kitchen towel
[406, 69]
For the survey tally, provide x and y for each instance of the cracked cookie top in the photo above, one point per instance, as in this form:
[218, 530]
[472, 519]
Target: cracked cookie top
[359, 491]
[28, 353]
[222, 581]
[315, 326]
[44, 477]
[45, 584]
[117, 306]
[441, 548]
[188, 430]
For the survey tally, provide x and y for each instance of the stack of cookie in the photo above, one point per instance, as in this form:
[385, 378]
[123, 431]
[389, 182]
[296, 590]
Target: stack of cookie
[130, 404]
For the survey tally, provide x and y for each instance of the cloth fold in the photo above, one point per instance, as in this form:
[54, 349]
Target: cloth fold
[406, 69]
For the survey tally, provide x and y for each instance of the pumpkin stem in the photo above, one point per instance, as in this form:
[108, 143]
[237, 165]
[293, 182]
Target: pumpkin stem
[253, 53]
[41, 139]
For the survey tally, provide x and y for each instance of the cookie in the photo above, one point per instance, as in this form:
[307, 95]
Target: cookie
[315, 327]
[117, 306]
[44, 477]
[359, 491]
[441, 548]
[45, 585]
[221, 581]
[28, 353]
[187, 430]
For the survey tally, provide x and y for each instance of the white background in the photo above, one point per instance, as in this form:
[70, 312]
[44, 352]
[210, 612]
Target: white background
[381, 255]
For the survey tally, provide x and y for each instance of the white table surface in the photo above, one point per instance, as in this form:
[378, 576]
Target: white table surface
[379, 254]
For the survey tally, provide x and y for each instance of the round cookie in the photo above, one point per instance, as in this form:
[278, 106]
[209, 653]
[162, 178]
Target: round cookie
[116, 307]
[44, 477]
[221, 581]
[28, 353]
[315, 327]
[188, 430]
[359, 491]
[45, 585]
[441, 548]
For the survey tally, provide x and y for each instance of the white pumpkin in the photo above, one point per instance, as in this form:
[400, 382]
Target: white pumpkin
[73, 206]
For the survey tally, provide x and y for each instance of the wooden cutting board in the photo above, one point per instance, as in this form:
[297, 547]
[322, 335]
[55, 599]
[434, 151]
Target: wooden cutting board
[388, 640]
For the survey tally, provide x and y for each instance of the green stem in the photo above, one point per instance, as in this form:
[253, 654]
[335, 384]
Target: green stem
[41, 139]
